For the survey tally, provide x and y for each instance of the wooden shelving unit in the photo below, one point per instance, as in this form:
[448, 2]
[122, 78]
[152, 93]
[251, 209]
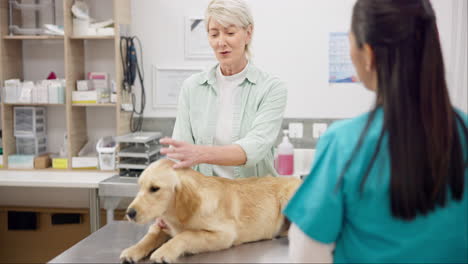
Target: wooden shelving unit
[94, 105]
[11, 66]
[34, 37]
[92, 37]
[32, 104]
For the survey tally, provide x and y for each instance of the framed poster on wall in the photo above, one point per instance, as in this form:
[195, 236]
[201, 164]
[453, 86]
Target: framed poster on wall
[196, 39]
[166, 84]
[341, 69]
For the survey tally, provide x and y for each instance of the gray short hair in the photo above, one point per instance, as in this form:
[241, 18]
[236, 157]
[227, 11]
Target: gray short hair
[230, 12]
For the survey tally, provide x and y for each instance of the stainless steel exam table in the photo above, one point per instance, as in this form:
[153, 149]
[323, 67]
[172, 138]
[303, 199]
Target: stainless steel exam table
[106, 244]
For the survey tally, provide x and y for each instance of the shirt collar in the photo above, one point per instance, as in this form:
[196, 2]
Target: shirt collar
[210, 75]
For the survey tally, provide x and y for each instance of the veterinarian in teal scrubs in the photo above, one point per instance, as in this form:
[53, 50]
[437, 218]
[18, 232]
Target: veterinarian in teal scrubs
[228, 117]
[391, 185]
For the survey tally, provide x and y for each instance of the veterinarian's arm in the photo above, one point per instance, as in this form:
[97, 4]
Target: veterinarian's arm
[266, 125]
[303, 249]
[190, 155]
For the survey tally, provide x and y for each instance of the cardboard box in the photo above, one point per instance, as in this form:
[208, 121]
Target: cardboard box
[49, 239]
[42, 162]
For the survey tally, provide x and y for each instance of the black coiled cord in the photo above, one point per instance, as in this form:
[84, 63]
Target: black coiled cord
[131, 68]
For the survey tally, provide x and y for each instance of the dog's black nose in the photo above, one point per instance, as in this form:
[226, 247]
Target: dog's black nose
[131, 213]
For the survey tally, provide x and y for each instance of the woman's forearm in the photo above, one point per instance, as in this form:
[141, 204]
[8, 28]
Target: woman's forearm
[228, 155]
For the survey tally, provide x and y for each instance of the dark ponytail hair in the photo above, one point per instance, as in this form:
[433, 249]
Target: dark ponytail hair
[425, 148]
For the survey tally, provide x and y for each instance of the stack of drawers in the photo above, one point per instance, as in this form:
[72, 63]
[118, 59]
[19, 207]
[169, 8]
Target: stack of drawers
[30, 130]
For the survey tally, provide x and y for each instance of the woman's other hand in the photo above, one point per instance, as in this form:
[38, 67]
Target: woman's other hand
[187, 154]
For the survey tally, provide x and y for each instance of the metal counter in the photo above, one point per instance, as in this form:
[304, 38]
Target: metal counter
[117, 186]
[106, 244]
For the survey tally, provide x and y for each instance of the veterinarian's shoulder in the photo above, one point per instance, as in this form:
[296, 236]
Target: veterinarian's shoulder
[200, 79]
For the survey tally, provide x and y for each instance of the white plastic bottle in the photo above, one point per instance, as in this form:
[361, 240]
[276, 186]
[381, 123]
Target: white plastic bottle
[285, 162]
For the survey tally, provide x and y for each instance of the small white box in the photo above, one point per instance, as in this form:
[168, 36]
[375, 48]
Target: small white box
[84, 97]
[105, 31]
[26, 92]
[83, 85]
[41, 92]
[113, 98]
[84, 162]
[11, 91]
[21, 161]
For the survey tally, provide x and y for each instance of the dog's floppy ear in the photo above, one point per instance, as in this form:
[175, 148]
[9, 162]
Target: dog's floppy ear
[187, 201]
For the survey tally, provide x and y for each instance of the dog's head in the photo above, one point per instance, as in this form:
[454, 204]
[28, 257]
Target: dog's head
[157, 191]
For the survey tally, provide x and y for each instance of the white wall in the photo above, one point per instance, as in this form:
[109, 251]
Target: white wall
[290, 41]
[452, 21]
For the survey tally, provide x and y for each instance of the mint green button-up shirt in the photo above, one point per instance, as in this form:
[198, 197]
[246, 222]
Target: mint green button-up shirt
[256, 121]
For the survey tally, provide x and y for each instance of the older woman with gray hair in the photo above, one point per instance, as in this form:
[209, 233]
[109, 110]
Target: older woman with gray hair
[228, 117]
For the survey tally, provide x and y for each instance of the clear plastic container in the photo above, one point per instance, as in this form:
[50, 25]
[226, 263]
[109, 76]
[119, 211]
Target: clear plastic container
[26, 6]
[31, 145]
[106, 148]
[29, 121]
[16, 30]
[33, 16]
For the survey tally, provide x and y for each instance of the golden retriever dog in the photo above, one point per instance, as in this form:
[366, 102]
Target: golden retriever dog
[194, 213]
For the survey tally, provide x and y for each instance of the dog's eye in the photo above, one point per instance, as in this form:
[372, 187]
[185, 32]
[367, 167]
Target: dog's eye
[153, 189]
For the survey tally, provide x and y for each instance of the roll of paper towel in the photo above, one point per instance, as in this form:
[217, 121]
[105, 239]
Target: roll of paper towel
[303, 159]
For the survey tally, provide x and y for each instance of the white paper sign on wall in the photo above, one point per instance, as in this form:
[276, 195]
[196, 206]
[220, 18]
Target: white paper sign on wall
[167, 83]
[196, 39]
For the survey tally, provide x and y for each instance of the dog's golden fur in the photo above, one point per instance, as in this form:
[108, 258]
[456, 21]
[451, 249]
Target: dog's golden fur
[204, 213]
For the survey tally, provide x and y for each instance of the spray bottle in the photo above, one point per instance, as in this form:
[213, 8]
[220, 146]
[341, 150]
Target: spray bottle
[285, 163]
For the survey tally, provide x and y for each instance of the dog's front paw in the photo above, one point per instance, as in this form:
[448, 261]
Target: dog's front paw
[164, 255]
[132, 254]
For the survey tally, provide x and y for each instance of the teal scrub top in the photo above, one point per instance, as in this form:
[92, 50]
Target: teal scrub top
[362, 226]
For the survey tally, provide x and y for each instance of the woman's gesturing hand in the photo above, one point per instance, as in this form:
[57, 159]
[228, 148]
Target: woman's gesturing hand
[187, 154]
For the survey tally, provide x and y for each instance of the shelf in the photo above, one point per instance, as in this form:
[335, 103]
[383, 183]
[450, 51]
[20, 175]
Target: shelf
[76, 122]
[33, 37]
[63, 170]
[26, 37]
[94, 105]
[138, 152]
[53, 178]
[91, 37]
[32, 104]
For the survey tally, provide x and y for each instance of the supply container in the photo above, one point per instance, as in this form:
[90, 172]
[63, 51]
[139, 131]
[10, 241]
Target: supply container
[31, 145]
[59, 163]
[106, 148]
[29, 121]
[285, 158]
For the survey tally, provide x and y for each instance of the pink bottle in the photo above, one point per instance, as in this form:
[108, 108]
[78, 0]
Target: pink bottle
[285, 161]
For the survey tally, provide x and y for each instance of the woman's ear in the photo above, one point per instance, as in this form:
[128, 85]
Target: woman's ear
[187, 201]
[249, 31]
[369, 58]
